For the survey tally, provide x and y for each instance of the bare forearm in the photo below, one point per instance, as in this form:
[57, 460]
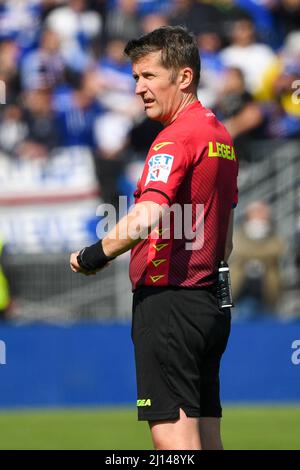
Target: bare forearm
[120, 239]
[132, 229]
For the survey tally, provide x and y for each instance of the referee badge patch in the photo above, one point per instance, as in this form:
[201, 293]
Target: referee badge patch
[160, 166]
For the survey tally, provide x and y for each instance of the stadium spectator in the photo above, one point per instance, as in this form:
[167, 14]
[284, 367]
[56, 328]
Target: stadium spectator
[246, 54]
[76, 25]
[41, 135]
[196, 16]
[175, 286]
[20, 21]
[282, 112]
[13, 129]
[111, 130]
[9, 69]
[78, 29]
[255, 263]
[210, 43]
[122, 20]
[240, 114]
[76, 111]
[115, 74]
[267, 27]
[43, 67]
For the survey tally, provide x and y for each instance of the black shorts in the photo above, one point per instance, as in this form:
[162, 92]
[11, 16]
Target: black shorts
[179, 336]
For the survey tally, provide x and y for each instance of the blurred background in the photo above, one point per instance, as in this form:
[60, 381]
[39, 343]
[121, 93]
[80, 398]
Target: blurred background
[73, 136]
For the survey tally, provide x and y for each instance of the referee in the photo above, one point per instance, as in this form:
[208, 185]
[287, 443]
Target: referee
[178, 330]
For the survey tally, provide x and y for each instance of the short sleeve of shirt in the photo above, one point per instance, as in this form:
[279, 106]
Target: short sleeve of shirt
[166, 166]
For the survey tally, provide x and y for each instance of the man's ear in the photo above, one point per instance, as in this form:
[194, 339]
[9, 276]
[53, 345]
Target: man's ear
[186, 76]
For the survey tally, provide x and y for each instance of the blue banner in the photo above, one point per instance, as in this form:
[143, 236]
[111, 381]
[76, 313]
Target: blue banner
[93, 364]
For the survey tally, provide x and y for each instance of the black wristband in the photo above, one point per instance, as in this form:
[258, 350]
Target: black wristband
[93, 257]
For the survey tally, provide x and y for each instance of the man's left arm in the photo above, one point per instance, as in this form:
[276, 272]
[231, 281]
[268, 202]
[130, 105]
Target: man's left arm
[129, 231]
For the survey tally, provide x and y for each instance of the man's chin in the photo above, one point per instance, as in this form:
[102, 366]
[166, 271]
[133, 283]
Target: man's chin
[151, 114]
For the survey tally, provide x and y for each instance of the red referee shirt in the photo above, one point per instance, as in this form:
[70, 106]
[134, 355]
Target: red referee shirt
[192, 164]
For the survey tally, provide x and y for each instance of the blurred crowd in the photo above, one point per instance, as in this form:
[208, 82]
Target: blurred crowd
[67, 83]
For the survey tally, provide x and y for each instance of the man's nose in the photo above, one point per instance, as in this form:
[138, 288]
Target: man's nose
[140, 87]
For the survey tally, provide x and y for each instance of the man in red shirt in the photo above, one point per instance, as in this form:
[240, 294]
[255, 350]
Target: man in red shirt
[179, 332]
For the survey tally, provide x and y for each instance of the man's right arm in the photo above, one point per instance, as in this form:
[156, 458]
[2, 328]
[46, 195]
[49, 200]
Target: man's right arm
[129, 231]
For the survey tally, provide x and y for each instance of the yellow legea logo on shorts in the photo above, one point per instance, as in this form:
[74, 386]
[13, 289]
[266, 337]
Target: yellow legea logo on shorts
[216, 149]
[144, 402]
